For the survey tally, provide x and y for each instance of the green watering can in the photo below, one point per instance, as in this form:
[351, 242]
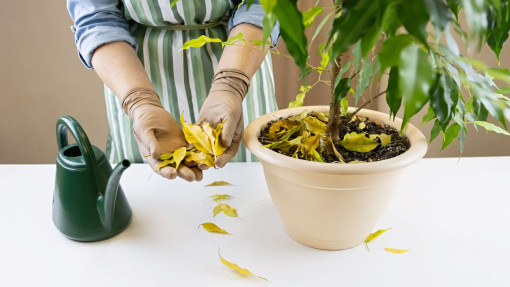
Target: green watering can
[88, 202]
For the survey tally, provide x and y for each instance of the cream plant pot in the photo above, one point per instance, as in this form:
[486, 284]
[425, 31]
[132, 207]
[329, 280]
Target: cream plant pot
[331, 206]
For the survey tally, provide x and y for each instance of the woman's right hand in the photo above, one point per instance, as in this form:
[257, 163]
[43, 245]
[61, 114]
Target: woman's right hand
[157, 132]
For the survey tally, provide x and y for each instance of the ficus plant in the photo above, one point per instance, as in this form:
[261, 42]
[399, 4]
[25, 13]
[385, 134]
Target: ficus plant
[420, 69]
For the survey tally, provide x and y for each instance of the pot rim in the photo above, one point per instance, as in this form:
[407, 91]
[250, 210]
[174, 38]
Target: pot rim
[417, 150]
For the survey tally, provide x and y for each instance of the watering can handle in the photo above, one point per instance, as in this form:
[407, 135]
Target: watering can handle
[69, 123]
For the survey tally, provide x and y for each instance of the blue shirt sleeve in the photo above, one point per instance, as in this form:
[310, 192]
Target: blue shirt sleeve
[97, 22]
[254, 16]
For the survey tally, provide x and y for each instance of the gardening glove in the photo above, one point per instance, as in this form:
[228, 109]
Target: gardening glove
[157, 132]
[224, 103]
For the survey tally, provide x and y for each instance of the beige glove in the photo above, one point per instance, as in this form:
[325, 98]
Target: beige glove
[156, 132]
[224, 102]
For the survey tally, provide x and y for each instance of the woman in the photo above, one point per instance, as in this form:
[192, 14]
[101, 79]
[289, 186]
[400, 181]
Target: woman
[134, 48]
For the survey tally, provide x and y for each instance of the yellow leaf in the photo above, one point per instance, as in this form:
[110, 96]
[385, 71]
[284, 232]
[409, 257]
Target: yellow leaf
[219, 148]
[216, 210]
[362, 125]
[213, 228]
[165, 163]
[210, 132]
[219, 197]
[195, 135]
[166, 155]
[358, 142]
[200, 157]
[314, 125]
[374, 235]
[228, 210]
[310, 144]
[199, 42]
[397, 251]
[321, 116]
[332, 150]
[219, 183]
[179, 155]
[240, 270]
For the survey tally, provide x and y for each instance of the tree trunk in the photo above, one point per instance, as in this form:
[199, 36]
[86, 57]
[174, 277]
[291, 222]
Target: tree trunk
[334, 123]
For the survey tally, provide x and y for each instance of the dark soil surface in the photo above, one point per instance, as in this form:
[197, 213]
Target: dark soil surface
[397, 146]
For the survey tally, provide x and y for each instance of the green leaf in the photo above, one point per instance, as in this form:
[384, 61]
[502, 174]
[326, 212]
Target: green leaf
[357, 17]
[439, 14]
[454, 7]
[310, 15]
[370, 39]
[344, 105]
[415, 17]
[268, 5]
[268, 23]
[498, 35]
[389, 56]
[365, 76]
[300, 97]
[173, 3]
[476, 15]
[491, 127]
[292, 30]
[199, 42]
[430, 115]
[451, 133]
[358, 142]
[393, 94]
[444, 98]
[415, 79]
[434, 132]
[319, 28]
[342, 87]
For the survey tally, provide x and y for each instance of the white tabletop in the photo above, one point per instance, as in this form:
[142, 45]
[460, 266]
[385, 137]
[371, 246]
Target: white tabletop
[454, 216]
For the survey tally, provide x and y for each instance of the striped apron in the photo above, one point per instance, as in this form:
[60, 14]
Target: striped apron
[182, 79]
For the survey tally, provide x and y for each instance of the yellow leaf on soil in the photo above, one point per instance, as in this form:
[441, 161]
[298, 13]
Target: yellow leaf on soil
[397, 251]
[374, 235]
[213, 228]
[240, 270]
[314, 125]
[219, 183]
[179, 155]
[358, 142]
[362, 125]
[322, 117]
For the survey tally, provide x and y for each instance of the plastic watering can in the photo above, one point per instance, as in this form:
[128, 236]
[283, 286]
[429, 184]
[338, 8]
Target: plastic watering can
[88, 202]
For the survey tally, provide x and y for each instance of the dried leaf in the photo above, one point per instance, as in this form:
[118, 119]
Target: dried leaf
[332, 149]
[220, 197]
[165, 156]
[358, 142]
[384, 138]
[165, 163]
[397, 251]
[298, 118]
[323, 117]
[196, 136]
[242, 271]
[213, 228]
[362, 125]
[216, 210]
[314, 125]
[219, 148]
[209, 131]
[200, 157]
[179, 155]
[219, 183]
[374, 235]
[228, 210]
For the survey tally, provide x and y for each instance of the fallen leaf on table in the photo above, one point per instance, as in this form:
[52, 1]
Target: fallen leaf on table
[217, 210]
[213, 228]
[220, 197]
[219, 183]
[374, 235]
[240, 270]
[396, 251]
[226, 209]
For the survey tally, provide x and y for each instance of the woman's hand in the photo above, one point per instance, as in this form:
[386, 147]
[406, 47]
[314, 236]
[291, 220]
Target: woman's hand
[224, 104]
[157, 132]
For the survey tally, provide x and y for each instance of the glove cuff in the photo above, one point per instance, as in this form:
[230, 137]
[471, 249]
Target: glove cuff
[231, 80]
[138, 98]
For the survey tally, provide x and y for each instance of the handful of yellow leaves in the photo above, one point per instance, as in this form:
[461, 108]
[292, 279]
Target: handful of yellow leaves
[204, 145]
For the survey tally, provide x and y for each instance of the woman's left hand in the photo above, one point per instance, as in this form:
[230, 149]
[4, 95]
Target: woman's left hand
[224, 104]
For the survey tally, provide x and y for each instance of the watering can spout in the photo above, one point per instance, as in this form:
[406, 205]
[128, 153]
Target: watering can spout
[111, 192]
